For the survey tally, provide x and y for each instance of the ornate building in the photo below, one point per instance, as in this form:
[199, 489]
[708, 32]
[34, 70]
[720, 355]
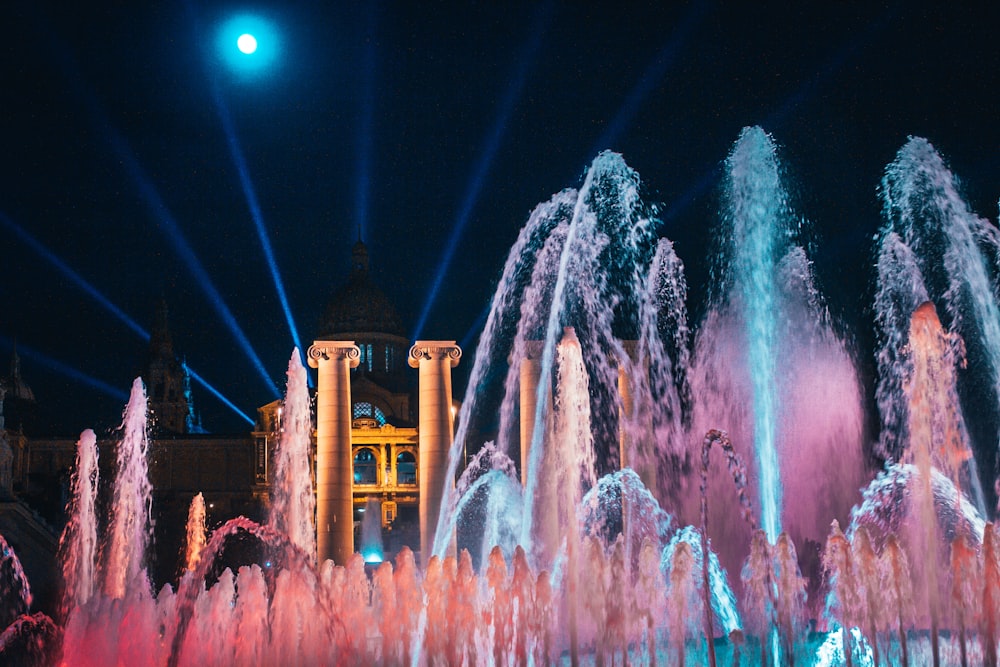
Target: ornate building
[369, 446]
[370, 452]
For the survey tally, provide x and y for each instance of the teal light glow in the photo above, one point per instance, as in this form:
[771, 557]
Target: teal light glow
[248, 44]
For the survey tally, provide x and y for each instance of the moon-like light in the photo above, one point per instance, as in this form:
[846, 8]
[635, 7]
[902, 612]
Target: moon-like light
[257, 41]
[247, 43]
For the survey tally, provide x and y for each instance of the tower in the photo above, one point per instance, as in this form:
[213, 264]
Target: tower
[166, 377]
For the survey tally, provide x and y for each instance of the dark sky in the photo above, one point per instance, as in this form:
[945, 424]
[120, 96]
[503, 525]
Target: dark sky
[412, 120]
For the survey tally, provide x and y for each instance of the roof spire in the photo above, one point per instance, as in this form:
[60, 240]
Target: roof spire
[359, 260]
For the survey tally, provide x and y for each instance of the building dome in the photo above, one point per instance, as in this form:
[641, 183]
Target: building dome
[359, 306]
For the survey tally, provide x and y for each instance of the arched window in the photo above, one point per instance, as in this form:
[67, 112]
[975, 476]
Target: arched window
[366, 356]
[406, 468]
[365, 467]
[363, 409]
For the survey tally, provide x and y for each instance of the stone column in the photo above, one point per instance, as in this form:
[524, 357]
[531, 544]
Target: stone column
[434, 359]
[624, 416]
[530, 371]
[334, 475]
[634, 454]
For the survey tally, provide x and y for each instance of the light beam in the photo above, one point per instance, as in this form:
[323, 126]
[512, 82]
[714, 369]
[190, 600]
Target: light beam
[158, 209]
[73, 276]
[365, 131]
[655, 71]
[106, 303]
[527, 58]
[155, 203]
[250, 193]
[66, 370]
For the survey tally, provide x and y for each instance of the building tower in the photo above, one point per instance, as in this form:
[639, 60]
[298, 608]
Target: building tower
[167, 382]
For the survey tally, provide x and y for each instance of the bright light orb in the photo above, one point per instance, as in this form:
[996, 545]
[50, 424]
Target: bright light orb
[247, 43]
[257, 42]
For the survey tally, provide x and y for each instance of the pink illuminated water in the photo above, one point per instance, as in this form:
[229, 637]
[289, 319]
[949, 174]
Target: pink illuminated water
[78, 545]
[130, 529]
[623, 542]
[294, 503]
[196, 533]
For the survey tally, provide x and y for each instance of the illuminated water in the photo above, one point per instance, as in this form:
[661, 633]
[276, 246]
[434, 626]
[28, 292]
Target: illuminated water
[632, 532]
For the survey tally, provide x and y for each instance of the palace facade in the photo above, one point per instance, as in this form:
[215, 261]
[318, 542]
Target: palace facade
[381, 439]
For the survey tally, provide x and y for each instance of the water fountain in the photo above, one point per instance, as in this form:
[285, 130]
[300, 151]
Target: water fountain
[587, 532]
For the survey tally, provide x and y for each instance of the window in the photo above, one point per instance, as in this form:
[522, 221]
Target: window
[365, 467]
[406, 468]
[363, 409]
[366, 356]
[388, 358]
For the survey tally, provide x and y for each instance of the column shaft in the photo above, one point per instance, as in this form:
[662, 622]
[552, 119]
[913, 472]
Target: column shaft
[530, 373]
[434, 359]
[334, 464]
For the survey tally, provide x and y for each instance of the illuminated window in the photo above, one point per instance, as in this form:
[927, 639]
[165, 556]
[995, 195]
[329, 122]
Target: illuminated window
[363, 409]
[365, 467]
[366, 356]
[406, 468]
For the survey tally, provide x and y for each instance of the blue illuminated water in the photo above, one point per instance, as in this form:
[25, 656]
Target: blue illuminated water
[756, 212]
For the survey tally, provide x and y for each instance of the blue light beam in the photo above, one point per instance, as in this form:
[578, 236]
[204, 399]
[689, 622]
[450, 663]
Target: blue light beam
[158, 208]
[215, 392]
[538, 28]
[73, 276]
[156, 205]
[236, 153]
[106, 303]
[66, 370]
[655, 71]
[362, 193]
[242, 27]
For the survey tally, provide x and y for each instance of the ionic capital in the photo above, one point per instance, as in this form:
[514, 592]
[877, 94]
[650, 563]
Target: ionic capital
[333, 349]
[434, 349]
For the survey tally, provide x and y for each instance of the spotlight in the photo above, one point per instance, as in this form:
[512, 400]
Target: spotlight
[249, 44]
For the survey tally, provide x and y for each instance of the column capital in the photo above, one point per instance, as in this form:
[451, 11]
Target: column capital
[434, 349]
[533, 349]
[333, 349]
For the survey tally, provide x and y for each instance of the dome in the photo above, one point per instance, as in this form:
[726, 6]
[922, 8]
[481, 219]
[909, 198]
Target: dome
[360, 306]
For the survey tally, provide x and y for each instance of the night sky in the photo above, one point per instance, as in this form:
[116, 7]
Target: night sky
[426, 126]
